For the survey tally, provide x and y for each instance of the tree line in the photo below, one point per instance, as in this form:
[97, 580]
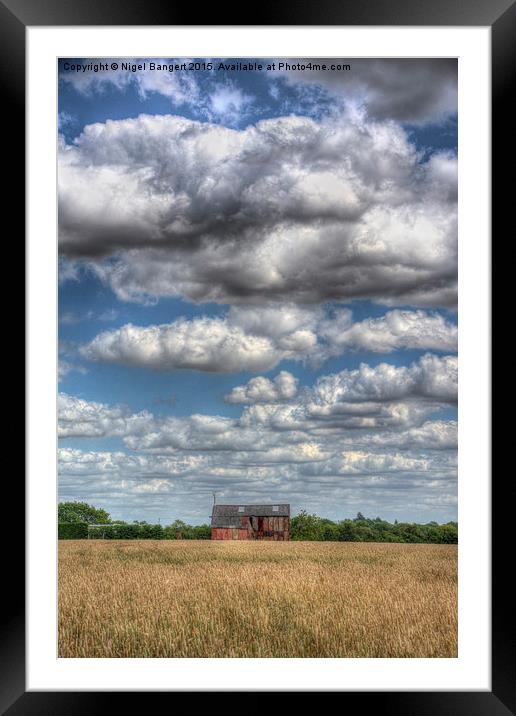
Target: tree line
[306, 526]
[75, 517]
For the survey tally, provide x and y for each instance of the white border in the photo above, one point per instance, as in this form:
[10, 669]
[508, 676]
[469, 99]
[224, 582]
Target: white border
[471, 670]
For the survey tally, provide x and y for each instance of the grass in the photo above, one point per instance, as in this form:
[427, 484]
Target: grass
[256, 599]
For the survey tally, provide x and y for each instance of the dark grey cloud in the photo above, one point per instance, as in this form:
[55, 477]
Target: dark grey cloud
[288, 209]
[415, 90]
[407, 90]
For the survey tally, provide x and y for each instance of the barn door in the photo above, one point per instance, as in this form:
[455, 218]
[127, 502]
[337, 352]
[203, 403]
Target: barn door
[254, 527]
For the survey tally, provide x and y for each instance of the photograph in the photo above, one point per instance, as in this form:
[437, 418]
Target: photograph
[257, 357]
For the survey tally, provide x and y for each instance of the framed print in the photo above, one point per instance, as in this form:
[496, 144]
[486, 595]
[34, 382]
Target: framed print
[258, 302]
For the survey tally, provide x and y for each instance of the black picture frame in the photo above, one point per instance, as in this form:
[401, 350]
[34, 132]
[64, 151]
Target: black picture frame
[500, 16]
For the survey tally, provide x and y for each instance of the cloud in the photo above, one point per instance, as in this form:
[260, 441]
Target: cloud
[431, 377]
[258, 338]
[287, 209]
[432, 435]
[65, 367]
[73, 461]
[407, 90]
[70, 318]
[207, 344]
[148, 486]
[321, 420]
[262, 390]
[68, 270]
[65, 119]
[368, 398]
[222, 102]
[228, 103]
[353, 462]
[388, 405]
[355, 438]
[82, 418]
[204, 433]
[179, 87]
[396, 329]
[283, 222]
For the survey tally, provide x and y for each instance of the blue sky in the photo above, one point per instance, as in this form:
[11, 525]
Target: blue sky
[258, 289]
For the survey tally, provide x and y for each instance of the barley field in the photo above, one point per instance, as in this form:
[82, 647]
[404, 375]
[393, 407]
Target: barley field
[256, 599]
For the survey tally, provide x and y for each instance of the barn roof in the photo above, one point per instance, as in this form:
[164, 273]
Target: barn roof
[229, 515]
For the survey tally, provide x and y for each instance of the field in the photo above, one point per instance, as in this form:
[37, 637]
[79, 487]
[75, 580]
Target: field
[256, 599]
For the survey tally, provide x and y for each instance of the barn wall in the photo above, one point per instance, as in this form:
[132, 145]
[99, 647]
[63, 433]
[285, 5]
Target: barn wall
[258, 528]
[272, 528]
[232, 533]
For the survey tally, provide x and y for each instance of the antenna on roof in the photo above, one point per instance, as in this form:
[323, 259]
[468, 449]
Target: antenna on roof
[214, 493]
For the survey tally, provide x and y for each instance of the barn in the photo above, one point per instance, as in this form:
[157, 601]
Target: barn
[263, 522]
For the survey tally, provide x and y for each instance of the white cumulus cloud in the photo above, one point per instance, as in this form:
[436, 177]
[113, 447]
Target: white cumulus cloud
[258, 338]
[263, 390]
[82, 418]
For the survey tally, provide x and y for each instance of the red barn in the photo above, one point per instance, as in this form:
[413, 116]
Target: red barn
[264, 522]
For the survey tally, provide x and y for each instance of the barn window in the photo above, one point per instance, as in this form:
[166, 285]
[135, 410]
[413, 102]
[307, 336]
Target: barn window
[275, 508]
[240, 508]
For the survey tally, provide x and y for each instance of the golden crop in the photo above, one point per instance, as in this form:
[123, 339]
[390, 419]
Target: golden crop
[256, 599]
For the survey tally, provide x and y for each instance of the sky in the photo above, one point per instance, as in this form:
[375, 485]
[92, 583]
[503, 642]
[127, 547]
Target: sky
[258, 286]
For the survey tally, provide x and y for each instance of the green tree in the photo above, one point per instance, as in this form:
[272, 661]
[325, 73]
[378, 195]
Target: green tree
[303, 526]
[72, 530]
[201, 532]
[81, 512]
[449, 533]
[306, 527]
[179, 530]
[328, 530]
[346, 531]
